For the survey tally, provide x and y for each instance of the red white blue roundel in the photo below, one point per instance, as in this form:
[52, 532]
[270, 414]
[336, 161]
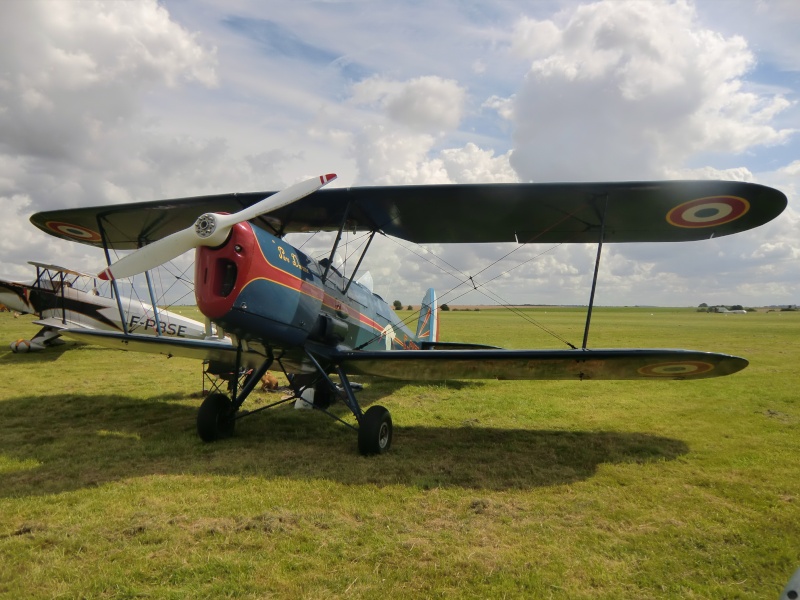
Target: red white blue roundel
[683, 368]
[77, 232]
[708, 212]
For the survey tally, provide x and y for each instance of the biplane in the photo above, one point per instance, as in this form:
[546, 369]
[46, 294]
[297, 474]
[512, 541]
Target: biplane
[282, 307]
[65, 300]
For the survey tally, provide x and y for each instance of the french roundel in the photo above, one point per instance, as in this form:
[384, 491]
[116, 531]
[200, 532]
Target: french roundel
[682, 368]
[74, 231]
[708, 212]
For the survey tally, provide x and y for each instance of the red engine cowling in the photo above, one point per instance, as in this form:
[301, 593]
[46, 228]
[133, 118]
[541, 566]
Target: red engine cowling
[221, 272]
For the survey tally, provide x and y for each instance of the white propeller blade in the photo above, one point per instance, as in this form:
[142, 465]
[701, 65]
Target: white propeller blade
[210, 229]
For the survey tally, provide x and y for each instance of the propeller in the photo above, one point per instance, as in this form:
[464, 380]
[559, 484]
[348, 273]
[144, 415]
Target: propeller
[210, 229]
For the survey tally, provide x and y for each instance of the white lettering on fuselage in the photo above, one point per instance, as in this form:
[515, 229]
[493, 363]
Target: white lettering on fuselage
[136, 322]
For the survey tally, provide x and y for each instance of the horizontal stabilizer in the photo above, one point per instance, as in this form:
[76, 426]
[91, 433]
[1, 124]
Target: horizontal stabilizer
[438, 365]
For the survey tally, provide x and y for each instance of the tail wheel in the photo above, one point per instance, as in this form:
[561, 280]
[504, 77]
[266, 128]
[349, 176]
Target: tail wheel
[215, 418]
[375, 431]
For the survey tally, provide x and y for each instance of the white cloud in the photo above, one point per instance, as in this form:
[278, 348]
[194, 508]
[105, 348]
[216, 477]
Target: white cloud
[388, 156]
[397, 145]
[793, 168]
[503, 106]
[427, 104]
[622, 89]
[122, 101]
[770, 25]
[710, 173]
[472, 164]
[73, 121]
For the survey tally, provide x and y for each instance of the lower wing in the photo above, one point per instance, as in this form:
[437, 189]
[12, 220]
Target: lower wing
[431, 365]
[438, 365]
[220, 351]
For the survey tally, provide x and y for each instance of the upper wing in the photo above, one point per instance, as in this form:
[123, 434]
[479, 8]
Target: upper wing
[525, 212]
[433, 365]
[58, 269]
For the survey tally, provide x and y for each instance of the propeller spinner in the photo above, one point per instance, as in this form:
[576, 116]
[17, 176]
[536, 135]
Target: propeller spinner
[210, 229]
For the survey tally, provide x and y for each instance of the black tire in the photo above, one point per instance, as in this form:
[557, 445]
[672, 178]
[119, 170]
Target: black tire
[375, 431]
[215, 418]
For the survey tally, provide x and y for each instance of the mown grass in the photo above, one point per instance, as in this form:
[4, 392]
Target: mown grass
[492, 489]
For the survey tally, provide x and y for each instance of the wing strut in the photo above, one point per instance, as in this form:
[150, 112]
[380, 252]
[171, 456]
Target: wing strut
[596, 271]
[114, 288]
[63, 300]
[336, 243]
[358, 264]
[153, 302]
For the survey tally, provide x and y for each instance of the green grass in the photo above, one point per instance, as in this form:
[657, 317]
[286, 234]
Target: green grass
[492, 489]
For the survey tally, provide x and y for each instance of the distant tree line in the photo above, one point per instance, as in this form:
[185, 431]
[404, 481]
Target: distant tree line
[397, 305]
[703, 307]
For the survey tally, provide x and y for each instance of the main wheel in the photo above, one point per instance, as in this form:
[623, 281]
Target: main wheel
[215, 418]
[375, 431]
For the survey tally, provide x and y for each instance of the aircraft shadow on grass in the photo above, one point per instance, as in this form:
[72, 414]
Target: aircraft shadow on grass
[53, 353]
[66, 442]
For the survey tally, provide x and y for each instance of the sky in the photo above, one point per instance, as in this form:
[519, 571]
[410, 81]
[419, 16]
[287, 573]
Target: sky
[112, 102]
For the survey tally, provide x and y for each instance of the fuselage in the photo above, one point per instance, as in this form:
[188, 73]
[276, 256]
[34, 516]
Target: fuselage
[260, 288]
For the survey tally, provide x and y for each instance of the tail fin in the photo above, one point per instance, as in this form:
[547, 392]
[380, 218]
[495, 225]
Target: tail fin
[428, 325]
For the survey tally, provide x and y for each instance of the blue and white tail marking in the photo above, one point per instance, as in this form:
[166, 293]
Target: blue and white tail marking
[428, 325]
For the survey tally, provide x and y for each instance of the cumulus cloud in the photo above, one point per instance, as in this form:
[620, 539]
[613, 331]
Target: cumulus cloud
[618, 90]
[122, 101]
[388, 156]
[428, 103]
[792, 168]
[72, 87]
[503, 106]
[732, 174]
[472, 164]
[397, 145]
[74, 129]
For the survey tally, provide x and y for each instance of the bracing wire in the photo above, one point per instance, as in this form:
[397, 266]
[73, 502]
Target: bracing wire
[491, 295]
[476, 287]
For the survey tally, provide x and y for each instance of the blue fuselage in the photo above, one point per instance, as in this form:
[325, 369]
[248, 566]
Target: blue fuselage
[260, 288]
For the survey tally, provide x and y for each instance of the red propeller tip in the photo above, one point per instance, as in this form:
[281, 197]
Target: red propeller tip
[327, 178]
[106, 275]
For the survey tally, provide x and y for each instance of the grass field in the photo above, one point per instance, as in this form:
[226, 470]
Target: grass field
[491, 490]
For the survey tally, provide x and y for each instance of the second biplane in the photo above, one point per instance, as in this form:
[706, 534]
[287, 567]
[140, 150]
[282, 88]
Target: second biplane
[65, 300]
[284, 308]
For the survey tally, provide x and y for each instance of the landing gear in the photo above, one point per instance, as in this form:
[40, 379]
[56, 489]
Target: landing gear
[218, 412]
[374, 431]
[374, 425]
[215, 418]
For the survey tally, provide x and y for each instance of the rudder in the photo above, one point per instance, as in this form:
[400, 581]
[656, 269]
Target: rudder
[428, 324]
